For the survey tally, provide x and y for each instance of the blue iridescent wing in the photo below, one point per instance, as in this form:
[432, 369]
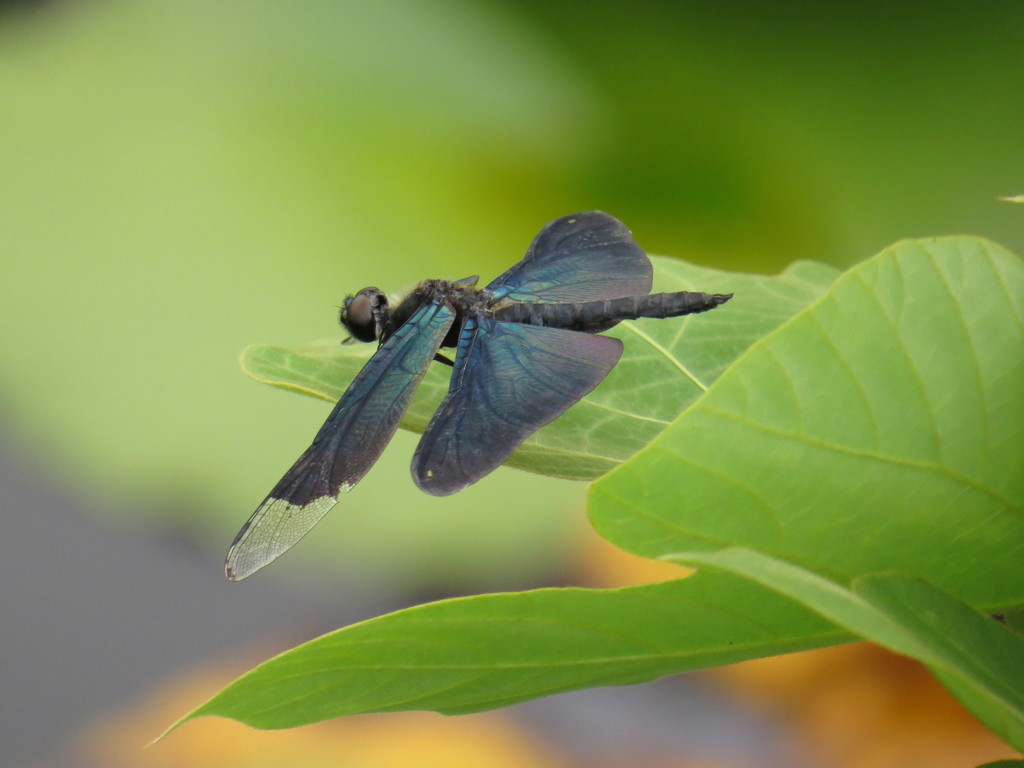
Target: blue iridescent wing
[348, 444]
[509, 381]
[583, 257]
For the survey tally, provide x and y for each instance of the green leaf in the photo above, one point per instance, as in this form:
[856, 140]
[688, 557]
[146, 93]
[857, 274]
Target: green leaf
[666, 366]
[978, 658]
[881, 429]
[476, 653]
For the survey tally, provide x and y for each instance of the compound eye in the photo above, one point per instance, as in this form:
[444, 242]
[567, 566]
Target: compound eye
[360, 313]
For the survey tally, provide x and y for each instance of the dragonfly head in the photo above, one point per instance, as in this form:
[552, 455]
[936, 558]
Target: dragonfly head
[365, 314]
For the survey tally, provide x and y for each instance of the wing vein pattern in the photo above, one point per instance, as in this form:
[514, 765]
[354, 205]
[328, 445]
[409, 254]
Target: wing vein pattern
[347, 445]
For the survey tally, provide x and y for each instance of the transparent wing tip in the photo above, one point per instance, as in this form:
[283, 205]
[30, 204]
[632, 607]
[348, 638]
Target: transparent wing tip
[273, 529]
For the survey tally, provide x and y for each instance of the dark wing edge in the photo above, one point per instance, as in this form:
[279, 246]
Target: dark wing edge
[509, 381]
[347, 445]
[586, 256]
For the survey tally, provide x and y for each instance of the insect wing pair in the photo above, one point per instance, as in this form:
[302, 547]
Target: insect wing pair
[509, 379]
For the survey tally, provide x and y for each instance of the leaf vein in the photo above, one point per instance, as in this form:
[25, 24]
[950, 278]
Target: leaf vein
[668, 355]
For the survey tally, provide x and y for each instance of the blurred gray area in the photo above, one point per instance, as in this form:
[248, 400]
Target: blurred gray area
[94, 617]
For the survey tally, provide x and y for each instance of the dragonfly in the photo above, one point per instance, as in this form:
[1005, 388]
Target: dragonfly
[527, 347]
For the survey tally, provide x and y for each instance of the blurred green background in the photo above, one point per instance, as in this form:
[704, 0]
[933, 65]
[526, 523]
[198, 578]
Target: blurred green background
[178, 180]
[181, 179]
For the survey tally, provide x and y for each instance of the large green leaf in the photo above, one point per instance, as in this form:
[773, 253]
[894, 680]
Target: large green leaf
[666, 366]
[877, 431]
[881, 429]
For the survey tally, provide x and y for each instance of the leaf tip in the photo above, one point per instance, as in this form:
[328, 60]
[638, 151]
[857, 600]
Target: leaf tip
[172, 727]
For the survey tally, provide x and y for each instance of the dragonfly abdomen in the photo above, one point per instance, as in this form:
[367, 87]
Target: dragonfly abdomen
[601, 315]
